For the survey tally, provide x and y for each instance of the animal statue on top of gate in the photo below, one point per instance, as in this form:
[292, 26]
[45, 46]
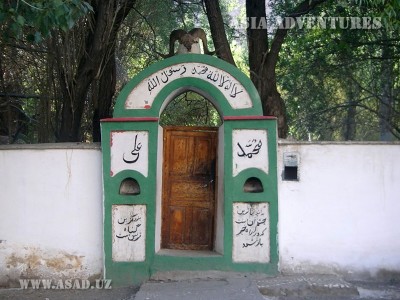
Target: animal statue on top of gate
[188, 42]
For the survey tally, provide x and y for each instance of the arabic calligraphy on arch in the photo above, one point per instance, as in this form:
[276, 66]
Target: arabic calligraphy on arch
[229, 86]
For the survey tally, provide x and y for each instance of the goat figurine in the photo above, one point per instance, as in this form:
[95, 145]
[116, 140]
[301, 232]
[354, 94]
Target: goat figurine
[188, 42]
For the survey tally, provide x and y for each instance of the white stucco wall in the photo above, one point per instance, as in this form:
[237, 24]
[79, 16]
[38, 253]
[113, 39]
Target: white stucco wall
[50, 212]
[343, 215]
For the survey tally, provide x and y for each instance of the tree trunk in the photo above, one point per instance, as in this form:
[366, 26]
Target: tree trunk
[386, 101]
[99, 48]
[263, 61]
[103, 92]
[349, 130]
[217, 28]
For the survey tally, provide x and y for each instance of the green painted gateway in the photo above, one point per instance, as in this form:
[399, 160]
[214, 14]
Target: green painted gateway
[242, 220]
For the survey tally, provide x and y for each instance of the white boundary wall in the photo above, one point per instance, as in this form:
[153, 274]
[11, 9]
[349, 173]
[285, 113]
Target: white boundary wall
[343, 215]
[51, 218]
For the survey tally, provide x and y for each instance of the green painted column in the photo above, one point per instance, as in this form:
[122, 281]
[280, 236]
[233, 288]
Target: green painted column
[247, 142]
[129, 268]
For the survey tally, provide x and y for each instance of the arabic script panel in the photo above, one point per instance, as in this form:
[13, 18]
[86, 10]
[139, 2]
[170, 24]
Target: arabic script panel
[129, 151]
[250, 150]
[143, 95]
[128, 232]
[251, 232]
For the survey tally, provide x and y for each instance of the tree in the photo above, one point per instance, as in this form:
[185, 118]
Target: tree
[38, 18]
[341, 84]
[98, 56]
[263, 56]
[23, 26]
[336, 84]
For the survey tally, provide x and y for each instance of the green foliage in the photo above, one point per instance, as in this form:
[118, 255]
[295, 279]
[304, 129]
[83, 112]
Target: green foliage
[333, 83]
[329, 78]
[39, 17]
[389, 11]
[190, 109]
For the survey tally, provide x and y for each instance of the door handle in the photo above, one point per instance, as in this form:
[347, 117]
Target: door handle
[206, 185]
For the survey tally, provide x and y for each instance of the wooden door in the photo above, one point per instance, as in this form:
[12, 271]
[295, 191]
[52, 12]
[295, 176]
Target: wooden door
[189, 188]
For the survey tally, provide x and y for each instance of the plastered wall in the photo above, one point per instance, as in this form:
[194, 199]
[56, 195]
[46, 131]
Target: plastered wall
[50, 212]
[342, 215]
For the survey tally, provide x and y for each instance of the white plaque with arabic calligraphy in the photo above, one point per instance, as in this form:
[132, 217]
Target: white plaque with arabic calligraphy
[143, 95]
[251, 236]
[128, 232]
[129, 151]
[250, 150]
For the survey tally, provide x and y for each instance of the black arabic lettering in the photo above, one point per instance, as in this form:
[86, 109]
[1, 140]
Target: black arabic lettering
[243, 229]
[245, 245]
[135, 153]
[131, 218]
[215, 76]
[121, 236]
[222, 80]
[151, 84]
[243, 212]
[234, 91]
[184, 71]
[252, 210]
[134, 237]
[262, 232]
[164, 77]
[251, 225]
[240, 222]
[203, 71]
[135, 229]
[130, 231]
[243, 152]
[261, 222]
[247, 153]
[227, 87]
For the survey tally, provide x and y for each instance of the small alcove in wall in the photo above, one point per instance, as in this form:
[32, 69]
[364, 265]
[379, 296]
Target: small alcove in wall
[129, 186]
[253, 185]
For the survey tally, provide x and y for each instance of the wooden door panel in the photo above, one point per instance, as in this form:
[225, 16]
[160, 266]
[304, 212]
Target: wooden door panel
[176, 216]
[190, 191]
[202, 163]
[201, 230]
[188, 206]
[181, 151]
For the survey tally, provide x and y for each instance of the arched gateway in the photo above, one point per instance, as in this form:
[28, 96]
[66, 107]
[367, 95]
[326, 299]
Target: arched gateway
[203, 199]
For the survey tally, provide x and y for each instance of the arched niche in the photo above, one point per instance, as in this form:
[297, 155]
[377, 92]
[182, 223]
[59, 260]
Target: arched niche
[253, 185]
[129, 186]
